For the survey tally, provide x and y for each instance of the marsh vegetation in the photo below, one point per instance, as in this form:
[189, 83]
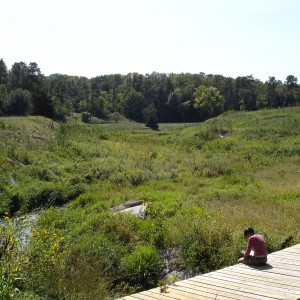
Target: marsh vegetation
[202, 183]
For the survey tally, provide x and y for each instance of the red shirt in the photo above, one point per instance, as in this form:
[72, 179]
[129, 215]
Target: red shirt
[256, 243]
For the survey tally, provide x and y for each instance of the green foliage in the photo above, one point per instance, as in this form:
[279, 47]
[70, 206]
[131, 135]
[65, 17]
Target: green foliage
[9, 202]
[18, 102]
[205, 243]
[42, 104]
[86, 117]
[176, 97]
[202, 184]
[150, 117]
[3, 97]
[208, 101]
[12, 260]
[133, 105]
[47, 195]
[142, 266]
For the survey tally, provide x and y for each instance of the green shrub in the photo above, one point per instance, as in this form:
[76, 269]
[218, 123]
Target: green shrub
[9, 202]
[90, 267]
[204, 243]
[41, 196]
[142, 266]
[86, 117]
[41, 173]
[216, 166]
[136, 176]
[83, 200]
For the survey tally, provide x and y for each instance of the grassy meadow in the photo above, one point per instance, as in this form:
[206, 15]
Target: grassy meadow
[203, 184]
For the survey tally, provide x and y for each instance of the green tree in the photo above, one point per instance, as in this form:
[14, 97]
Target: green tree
[3, 97]
[34, 79]
[150, 117]
[133, 105]
[261, 98]
[86, 117]
[291, 82]
[291, 95]
[272, 95]
[115, 116]
[18, 76]
[18, 102]
[42, 103]
[246, 91]
[174, 105]
[97, 106]
[208, 101]
[3, 72]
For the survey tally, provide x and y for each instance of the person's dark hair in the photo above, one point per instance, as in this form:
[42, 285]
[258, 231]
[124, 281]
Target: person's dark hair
[248, 230]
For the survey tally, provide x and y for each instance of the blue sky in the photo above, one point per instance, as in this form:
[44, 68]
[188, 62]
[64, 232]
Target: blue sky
[95, 37]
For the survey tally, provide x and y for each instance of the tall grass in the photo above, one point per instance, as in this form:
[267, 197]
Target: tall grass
[203, 183]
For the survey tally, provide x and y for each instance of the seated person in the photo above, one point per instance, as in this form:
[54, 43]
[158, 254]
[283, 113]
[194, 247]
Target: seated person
[257, 244]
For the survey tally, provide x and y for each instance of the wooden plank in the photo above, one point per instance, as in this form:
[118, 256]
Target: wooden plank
[280, 271]
[214, 292]
[155, 294]
[259, 274]
[244, 287]
[132, 297]
[168, 295]
[271, 286]
[147, 296]
[222, 289]
[217, 291]
[196, 293]
[284, 258]
[263, 279]
[287, 255]
[280, 264]
[291, 273]
[289, 250]
[173, 293]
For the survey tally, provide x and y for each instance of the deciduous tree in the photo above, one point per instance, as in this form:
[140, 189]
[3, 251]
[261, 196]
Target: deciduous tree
[3, 72]
[150, 117]
[133, 105]
[18, 102]
[208, 101]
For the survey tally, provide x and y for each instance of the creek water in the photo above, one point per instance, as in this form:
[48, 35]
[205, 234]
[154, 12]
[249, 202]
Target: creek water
[23, 225]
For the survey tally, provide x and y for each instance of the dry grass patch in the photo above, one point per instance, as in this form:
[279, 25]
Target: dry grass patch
[281, 178]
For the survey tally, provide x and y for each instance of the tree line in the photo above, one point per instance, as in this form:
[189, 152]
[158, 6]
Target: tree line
[150, 98]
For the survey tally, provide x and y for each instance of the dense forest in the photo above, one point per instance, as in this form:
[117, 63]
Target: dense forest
[151, 98]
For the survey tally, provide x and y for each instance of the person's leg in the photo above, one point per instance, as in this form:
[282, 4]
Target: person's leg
[246, 261]
[241, 260]
[259, 261]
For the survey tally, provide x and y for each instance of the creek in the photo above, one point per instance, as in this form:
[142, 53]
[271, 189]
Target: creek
[23, 225]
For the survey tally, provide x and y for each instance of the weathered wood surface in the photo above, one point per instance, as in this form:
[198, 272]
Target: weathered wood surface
[279, 279]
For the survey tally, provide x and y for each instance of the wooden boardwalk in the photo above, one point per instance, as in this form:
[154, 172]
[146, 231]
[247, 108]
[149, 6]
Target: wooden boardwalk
[279, 279]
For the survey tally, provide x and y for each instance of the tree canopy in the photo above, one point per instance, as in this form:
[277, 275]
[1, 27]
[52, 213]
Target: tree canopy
[158, 97]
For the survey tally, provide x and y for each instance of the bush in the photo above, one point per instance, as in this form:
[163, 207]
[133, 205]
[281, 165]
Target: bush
[49, 195]
[136, 177]
[18, 102]
[142, 266]
[9, 202]
[86, 117]
[205, 243]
